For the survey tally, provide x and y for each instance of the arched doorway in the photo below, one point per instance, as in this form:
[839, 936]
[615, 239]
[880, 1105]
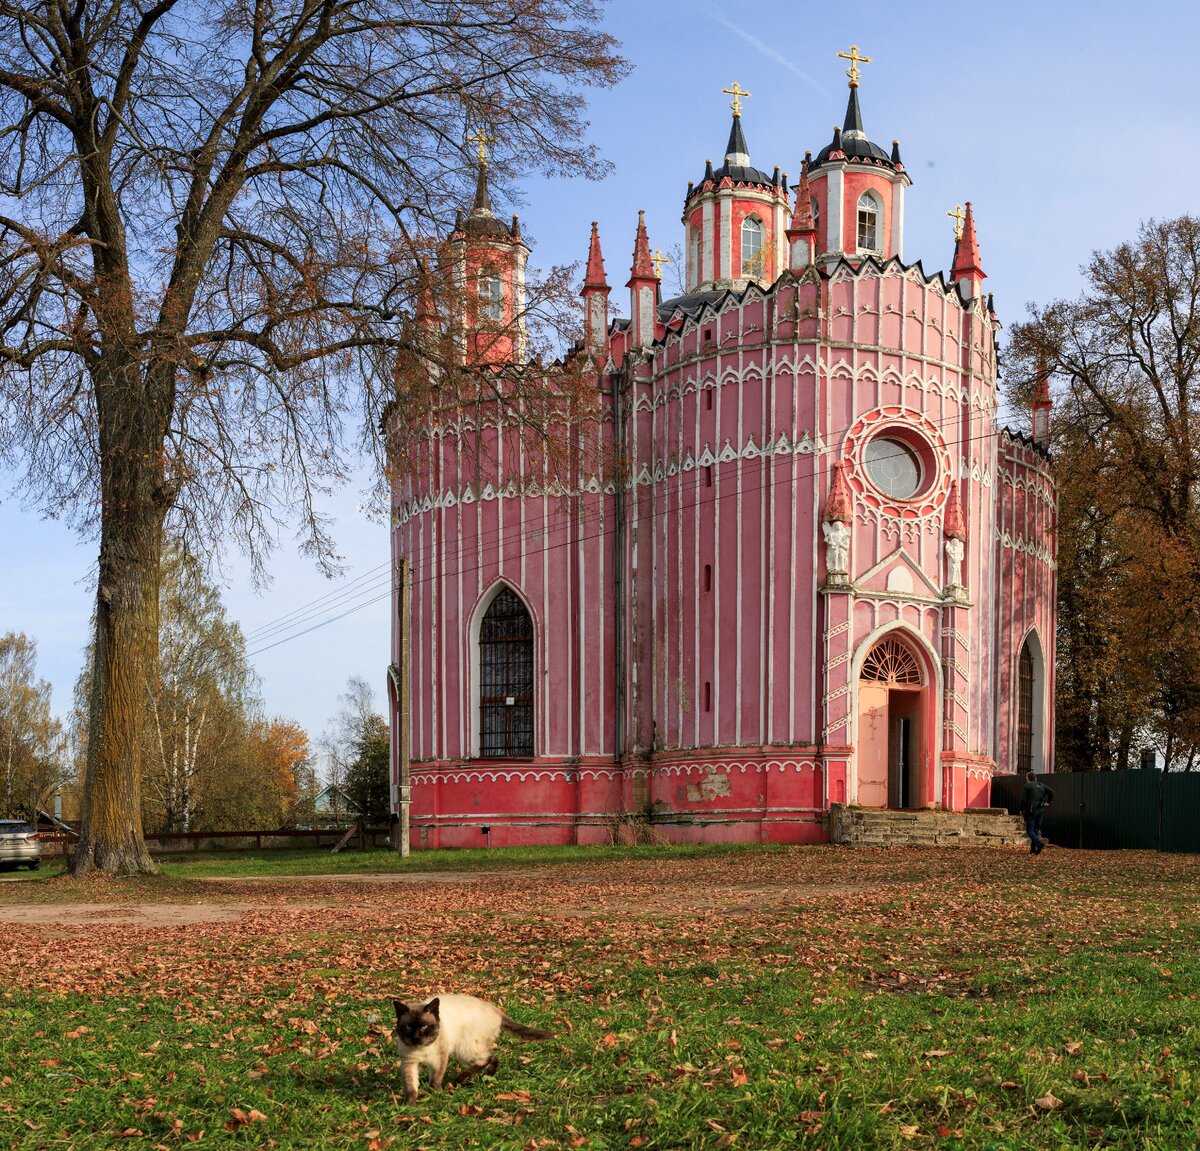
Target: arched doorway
[891, 695]
[1030, 692]
[506, 679]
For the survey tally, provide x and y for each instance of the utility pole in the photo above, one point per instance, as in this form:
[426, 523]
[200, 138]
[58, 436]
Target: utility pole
[403, 717]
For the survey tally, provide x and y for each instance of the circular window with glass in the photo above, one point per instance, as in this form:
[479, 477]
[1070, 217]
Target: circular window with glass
[893, 467]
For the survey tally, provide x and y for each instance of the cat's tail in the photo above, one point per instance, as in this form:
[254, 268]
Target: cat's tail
[523, 1031]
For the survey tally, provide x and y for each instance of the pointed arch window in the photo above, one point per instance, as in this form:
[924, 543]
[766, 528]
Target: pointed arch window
[506, 679]
[1025, 710]
[694, 273]
[752, 246]
[870, 224]
[892, 663]
[491, 297]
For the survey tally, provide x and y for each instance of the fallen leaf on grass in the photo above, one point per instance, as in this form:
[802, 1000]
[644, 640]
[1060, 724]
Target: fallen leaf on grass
[1009, 1085]
[938, 1054]
[1072, 1048]
[908, 1130]
[1048, 1102]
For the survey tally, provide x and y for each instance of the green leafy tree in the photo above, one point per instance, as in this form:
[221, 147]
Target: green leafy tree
[369, 774]
[33, 751]
[210, 218]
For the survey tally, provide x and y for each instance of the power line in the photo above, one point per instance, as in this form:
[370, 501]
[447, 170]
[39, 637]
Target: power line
[788, 478]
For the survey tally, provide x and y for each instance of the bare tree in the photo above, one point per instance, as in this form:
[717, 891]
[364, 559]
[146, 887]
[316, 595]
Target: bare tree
[211, 213]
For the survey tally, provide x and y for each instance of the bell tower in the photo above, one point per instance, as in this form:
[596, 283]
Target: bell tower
[487, 261]
[857, 187]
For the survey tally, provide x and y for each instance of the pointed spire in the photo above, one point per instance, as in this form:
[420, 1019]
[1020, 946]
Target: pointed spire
[595, 277]
[896, 154]
[966, 252]
[839, 508]
[708, 172]
[835, 149]
[483, 204]
[802, 217]
[737, 151]
[853, 127]
[515, 230]
[643, 265]
[1042, 404]
[954, 526]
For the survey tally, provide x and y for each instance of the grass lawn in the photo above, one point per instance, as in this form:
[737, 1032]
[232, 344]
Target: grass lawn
[747, 998]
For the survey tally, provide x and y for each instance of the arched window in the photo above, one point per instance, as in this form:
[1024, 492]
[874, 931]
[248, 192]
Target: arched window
[506, 679]
[890, 662]
[491, 297]
[752, 246]
[1025, 710]
[870, 224]
[694, 273]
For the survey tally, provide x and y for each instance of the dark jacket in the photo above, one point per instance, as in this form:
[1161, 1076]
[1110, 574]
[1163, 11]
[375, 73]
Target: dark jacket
[1035, 796]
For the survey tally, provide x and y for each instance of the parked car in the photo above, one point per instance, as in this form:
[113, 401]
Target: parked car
[19, 844]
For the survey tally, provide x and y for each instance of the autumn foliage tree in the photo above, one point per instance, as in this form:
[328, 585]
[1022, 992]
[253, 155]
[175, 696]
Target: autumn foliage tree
[209, 218]
[1126, 359]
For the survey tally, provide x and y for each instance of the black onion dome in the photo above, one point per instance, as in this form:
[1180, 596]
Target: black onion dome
[853, 142]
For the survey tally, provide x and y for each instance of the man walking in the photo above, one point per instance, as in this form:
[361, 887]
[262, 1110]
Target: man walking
[1034, 797]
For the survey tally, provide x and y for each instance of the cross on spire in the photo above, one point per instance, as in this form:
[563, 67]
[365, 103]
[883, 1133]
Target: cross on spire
[855, 59]
[481, 140]
[958, 217]
[659, 259]
[737, 92]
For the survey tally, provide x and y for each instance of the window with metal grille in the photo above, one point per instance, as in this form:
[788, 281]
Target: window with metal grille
[506, 679]
[892, 663]
[1025, 710]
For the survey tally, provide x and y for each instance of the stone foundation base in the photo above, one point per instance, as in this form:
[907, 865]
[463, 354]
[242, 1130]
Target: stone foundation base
[976, 827]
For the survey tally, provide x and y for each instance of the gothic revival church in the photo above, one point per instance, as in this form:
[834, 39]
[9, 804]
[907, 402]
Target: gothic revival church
[810, 567]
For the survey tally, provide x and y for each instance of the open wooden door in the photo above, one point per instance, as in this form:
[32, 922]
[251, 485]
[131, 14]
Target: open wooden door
[872, 750]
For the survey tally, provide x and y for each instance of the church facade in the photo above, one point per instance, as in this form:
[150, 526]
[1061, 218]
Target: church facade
[806, 566]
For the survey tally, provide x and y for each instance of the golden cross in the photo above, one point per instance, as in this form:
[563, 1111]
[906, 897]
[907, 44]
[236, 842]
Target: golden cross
[659, 259]
[855, 60]
[958, 217]
[481, 140]
[737, 92]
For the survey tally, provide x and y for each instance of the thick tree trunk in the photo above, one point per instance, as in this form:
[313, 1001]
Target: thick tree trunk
[126, 651]
[132, 511]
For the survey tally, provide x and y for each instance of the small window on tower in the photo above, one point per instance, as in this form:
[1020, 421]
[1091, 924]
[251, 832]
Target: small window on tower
[752, 246]
[694, 258]
[870, 228]
[491, 297]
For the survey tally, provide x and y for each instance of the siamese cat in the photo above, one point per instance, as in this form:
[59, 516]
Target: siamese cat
[451, 1025]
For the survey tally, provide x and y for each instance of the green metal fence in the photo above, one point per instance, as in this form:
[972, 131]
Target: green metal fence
[1150, 810]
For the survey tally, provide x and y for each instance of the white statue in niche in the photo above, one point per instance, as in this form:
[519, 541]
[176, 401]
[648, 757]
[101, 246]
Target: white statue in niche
[954, 559]
[837, 546]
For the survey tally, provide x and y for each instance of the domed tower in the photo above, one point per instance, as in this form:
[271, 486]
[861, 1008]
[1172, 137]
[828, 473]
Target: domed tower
[736, 218]
[857, 187]
[486, 268]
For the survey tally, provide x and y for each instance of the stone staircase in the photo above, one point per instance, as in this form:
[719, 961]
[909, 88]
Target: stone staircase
[975, 827]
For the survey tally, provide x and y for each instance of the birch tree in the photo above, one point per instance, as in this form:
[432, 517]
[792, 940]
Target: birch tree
[209, 219]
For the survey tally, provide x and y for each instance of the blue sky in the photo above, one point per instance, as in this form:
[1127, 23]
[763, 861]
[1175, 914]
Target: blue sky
[1065, 124]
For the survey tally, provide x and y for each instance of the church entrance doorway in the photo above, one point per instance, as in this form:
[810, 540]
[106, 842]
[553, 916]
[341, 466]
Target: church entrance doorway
[891, 694]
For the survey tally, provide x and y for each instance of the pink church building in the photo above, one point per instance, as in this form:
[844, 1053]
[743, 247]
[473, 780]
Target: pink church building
[808, 568]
